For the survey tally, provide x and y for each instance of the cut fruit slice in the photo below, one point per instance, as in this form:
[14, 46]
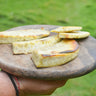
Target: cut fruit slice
[75, 35]
[58, 54]
[27, 46]
[66, 29]
[22, 35]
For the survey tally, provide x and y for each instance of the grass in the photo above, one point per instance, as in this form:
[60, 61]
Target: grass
[15, 13]
[82, 86]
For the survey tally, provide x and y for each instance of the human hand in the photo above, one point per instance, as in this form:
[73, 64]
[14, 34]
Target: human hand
[35, 86]
[28, 86]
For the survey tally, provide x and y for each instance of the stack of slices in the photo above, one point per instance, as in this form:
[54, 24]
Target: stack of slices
[47, 51]
[71, 32]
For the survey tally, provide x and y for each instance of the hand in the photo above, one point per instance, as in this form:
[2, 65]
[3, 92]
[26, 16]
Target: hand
[28, 86]
[34, 86]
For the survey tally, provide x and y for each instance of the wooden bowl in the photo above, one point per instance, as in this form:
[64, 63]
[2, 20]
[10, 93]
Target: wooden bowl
[22, 65]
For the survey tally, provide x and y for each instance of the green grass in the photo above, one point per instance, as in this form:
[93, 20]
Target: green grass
[82, 86]
[15, 13]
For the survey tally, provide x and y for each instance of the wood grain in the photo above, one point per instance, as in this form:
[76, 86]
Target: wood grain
[22, 65]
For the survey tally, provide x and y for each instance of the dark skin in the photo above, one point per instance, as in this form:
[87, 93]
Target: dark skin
[28, 86]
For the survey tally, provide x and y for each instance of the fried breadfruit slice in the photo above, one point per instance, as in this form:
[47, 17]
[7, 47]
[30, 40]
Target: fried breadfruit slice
[26, 47]
[22, 35]
[74, 35]
[66, 29]
[58, 54]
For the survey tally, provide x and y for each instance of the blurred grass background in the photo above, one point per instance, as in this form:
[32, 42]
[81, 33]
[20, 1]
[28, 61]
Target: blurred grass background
[15, 13]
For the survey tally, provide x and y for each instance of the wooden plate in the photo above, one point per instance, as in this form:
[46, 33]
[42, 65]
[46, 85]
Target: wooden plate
[22, 65]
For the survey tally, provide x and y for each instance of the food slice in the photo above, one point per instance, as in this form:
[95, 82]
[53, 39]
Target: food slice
[27, 46]
[22, 35]
[58, 54]
[66, 29]
[74, 35]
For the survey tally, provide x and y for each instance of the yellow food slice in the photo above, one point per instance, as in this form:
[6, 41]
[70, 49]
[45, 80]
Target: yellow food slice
[27, 46]
[75, 35]
[66, 29]
[22, 35]
[58, 54]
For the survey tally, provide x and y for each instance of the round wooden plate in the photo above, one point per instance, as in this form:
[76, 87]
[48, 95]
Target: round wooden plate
[22, 65]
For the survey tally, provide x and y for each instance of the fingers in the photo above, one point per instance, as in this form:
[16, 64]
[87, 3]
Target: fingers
[35, 86]
[55, 84]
